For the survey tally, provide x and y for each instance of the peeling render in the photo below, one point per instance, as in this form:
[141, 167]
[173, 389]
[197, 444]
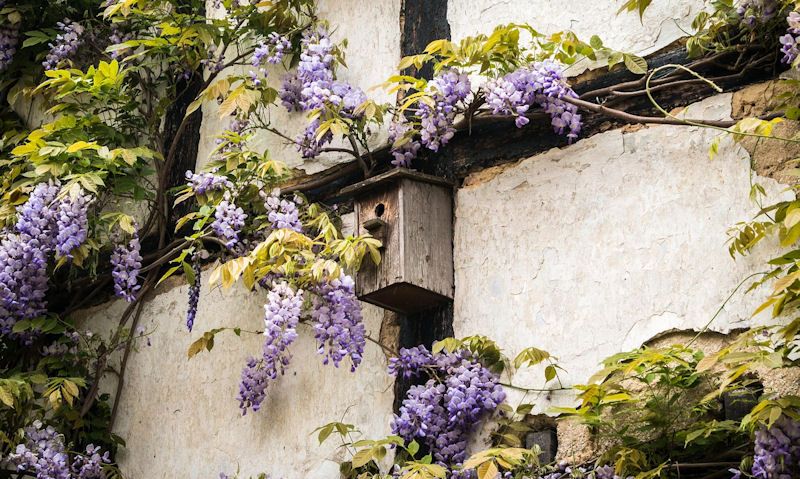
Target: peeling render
[607, 242]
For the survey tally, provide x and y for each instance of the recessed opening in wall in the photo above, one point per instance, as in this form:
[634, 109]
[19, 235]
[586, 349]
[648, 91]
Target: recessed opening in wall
[380, 208]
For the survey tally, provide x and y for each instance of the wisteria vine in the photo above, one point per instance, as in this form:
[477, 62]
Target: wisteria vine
[444, 411]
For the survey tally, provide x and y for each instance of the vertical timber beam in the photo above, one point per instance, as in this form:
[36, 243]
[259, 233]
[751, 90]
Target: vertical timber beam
[421, 22]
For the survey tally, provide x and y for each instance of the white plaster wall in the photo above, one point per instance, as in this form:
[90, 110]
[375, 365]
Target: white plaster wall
[180, 417]
[593, 249]
[372, 56]
[660, 26]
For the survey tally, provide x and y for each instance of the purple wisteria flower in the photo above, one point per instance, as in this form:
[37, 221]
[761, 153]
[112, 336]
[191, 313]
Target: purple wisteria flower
[9, 41]
[307, 142]
[282, 314]
[790, 43]
[313, 87]
[290, 92]
[338, 325]
[203, 182]
[65, 45]
[447, 90]
[126, 263]
[404, 146]
[214, 60]
[90, 464]
[23, 257]
[228, 221]
[271, 51]
[194, 293]
[777, 450]
[754, 12]
[411, 362]
[37, 217]
[542, 84]
[72, 223]
[117, 37]
[444, 411]
[282, 213]
[44, 454]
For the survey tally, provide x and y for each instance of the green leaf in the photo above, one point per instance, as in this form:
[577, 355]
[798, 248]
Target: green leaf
[413, 448]
[549, 372]
[635, 64]
[189, 272]
[324, 433]
[196, 347]
[362, 457]
[169, 273]
[6, 397]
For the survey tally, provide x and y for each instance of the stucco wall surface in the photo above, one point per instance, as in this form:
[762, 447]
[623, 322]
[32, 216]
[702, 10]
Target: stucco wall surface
[660, 26]
[180, 416]
[594, 249]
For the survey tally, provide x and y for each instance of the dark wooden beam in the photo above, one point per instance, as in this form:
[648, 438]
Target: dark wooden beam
[421, 22]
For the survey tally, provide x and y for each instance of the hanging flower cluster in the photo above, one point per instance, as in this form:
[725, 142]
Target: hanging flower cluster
[72, 223]
[447, 90]
[542, 84]
[282, 213]
[339, 330]
[9, 41]
[201, 183]
[404, 147]
[271, 51]
[126, 263]
[282, 314]
[52, 223]
[44, 454]
[228, 221]
[754, 12]
[194, 293]
[314, 87]
[46, 225]
[65, 45]
[338, 325]
[446, 409]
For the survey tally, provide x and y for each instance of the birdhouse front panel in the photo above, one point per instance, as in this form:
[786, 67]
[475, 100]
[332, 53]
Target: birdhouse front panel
[412, 215]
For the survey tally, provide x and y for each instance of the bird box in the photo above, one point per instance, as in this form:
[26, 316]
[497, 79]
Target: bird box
[412, 215]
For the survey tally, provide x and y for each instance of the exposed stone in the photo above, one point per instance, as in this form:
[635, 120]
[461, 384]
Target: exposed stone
[775, 158]
[781, 382]
[758, 99]
[575, 443]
